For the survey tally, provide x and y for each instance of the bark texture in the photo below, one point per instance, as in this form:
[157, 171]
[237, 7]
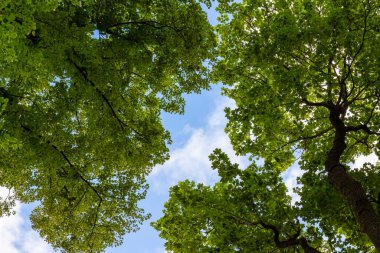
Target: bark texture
[351, 189]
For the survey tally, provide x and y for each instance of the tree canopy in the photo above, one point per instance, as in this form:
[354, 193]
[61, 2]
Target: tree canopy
[82, 86]
[305, 78]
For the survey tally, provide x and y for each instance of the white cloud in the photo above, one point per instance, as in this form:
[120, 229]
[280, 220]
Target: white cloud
[372, 158]
[290, 179]
[191, 161]
[33, 243]
[16, 236]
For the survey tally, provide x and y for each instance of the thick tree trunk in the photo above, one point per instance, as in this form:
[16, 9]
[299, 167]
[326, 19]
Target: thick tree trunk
[354, 193]
[306, 247]
[351, 189]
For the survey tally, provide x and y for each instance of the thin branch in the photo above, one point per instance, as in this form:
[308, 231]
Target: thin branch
[366, 13]
[294, 240]
[360, 92]
[64, 156]
[343, 96]
[150, 23]
[372, 111]
[363, 127]
[352, 89]
[85, 76]
[122, 124]
[79, 201]
[336, 73]
[95, 220]
[316, 104]
[342, 84]
[318, 134]
[304, 138]
[363, 141]
[329, 83]
[138, 75]
[302, 58]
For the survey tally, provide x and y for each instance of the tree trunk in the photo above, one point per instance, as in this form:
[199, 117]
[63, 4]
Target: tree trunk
[351, 189]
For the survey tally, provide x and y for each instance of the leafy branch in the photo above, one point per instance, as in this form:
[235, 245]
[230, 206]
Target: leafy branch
[150, 23]
[316, 104]
[364, 126]
[84, 74]
[71, 165]
[294, 240]
[366, 14]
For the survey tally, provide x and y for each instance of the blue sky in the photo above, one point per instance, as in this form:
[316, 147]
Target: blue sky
[195, 134]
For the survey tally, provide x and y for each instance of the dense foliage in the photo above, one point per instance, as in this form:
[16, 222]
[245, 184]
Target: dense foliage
[82, 85]
[305, 78]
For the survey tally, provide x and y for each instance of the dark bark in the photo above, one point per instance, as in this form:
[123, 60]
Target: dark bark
[290, 242]
[351, 189]
[306, 247]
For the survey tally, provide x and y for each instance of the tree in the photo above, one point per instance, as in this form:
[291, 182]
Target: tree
[305, 79]
[82, 86]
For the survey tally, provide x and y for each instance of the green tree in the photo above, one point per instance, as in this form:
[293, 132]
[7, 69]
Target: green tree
[305, 78]
[82, 86]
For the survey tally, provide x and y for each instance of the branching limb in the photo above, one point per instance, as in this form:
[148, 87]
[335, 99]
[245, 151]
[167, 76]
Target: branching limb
[292, 241]
[64, 156]
[84, 74]
[363, 141]
[71, 165]
[358, 94]
[306, 138]
[366, 14]
[318, 134]
[362, 127]
[372, 111]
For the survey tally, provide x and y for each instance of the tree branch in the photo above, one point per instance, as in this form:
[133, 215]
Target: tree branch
[150, 23]
[305, 138]
[363, 127]
[294, 240]
[319, 134]
[84, 74]
[316, 104]
[64, 156]
[366, 13]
